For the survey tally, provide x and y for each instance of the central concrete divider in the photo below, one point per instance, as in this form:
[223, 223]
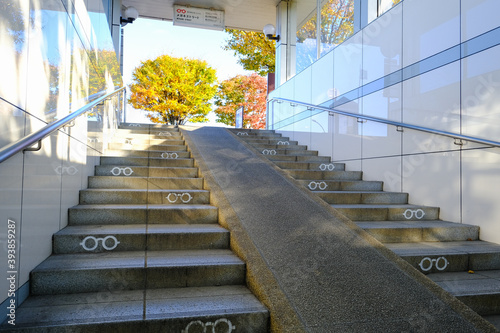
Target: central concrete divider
[314, 269]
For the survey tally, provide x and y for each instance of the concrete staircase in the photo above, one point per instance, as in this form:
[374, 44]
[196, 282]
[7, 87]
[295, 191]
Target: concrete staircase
[143, 251]
[450, 254]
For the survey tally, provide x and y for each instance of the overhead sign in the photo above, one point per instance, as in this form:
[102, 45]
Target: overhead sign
[239, 117]
[198, 17]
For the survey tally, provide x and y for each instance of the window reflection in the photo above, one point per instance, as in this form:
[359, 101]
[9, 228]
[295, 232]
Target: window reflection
[336, 25]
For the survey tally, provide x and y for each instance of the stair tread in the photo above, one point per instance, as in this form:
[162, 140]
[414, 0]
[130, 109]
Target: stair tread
[137, 259]
[358, 206]
[143, 206]
[412, 224]
[125, 306]
[440, 248]
[464, 283]
[140, 190]
[88, 230]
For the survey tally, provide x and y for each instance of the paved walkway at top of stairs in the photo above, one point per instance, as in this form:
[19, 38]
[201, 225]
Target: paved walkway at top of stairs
[335, 278]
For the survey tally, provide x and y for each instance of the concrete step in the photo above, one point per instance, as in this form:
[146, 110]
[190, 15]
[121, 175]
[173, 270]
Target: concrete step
[480, 290]
[319, 175]
[139, 237]
[306, 158]
[318, 186]
[382, 212]
[310, 165]
[169, 148]
[130, 270]
[363, 197]
[139, 214]
[287, 152]
[191, 309]
[164, 154]
[143, 196]
[457, 256]
[419, 231]
[260, 136]
[144, 161]
[158, 131]
[133, 141]
[162, 183]
[261, 146]
[139, 171]
[146, 136]
[266, 141]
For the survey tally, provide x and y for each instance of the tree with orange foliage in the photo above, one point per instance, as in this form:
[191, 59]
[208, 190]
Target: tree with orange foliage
[249, 91]
[174, 90]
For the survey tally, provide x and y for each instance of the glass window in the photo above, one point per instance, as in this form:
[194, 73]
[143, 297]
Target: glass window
[385, 5]
[337, 23]
[306, 42]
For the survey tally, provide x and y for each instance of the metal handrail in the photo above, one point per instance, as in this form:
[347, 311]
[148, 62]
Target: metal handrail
[29, 140]
[455, 136]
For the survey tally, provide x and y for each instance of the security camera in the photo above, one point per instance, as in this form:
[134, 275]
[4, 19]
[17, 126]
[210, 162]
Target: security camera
[129, 15]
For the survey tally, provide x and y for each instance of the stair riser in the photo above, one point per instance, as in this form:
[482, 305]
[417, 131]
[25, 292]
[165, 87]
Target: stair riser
[411, 235]
[484, 305]
[144, 197]
[131, 161]
[164, 154]
[386, 214]
[141, 131]
[249, 321]
[271, 142]
[330, 185]
[364, 198]
[291, 152]
[174, 215]
[456, 262]
[145, 183]
[147, 141]
[121, 146]
[65, 244]
[93, 280]
[278, 146]
[287, 158]
[136, 171]
[311, 166]
[325, 175]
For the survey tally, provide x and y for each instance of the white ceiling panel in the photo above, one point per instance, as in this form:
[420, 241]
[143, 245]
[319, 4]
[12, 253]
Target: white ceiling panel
[239, 14]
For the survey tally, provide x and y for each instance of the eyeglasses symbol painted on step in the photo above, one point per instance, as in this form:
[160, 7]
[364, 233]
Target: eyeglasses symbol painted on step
[71, 170]
[418, 213]
[314, 185]
[222, 325]
[440, 263]
[169, 155]
[174, 197]
[96, 243]
[116, 171]
[329, 167]
[128, 141]
[242, 133]
[269, 152]
[283, 143]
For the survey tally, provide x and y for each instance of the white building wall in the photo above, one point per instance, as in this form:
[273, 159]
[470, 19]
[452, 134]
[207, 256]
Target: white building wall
[424, 62]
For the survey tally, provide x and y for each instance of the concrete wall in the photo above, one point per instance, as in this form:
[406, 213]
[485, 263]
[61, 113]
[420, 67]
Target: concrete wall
[424, 62]
[55, 54]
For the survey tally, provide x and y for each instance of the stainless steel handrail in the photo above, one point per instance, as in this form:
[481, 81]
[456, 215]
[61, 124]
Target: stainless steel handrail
[455, 136]
[29, 140]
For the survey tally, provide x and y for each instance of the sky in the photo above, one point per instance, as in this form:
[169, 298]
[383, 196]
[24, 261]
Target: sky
[147, 39]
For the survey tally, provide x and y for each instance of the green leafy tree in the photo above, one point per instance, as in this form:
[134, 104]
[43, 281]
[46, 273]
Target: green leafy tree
[256, 53]
[249, 91]
[175, 90]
